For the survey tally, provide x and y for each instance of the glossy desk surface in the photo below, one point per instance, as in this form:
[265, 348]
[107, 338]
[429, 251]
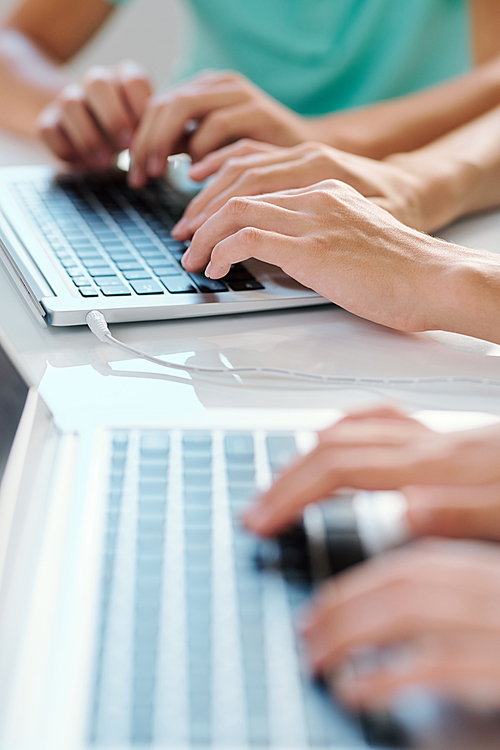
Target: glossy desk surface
[82, 379]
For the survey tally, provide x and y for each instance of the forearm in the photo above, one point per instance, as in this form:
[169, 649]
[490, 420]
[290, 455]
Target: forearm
[464, 297]
[410, 122]
[458, 174]
[29, 79]
[36, 40]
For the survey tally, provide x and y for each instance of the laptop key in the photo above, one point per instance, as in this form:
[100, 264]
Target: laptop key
[174, 245]
[243, 285]
[123, 255]
[238, 271]
[146, 287]
[144, 246]
[160, 261]
[281, 450]
[80, 281]
[66, 262]
[73, 271]
[115, 291]
[87, 253]
[95, 262]
[239, 444]
[142, 274]
[88, 291]
[166, 271]
[149, 251]
[129, 265]
[107, 281]
[177, 284]
[199, 442]
[101, 271]
[208, 285]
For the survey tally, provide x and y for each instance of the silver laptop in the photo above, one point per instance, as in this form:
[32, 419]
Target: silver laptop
[132, 609]
[75, 244]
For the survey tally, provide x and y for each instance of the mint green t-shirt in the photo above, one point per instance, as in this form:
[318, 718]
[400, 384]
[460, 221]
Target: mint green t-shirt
[317, 56]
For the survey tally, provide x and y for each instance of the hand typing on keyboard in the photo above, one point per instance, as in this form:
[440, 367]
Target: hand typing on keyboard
[451, 480]
[431, 606]
[90, 122]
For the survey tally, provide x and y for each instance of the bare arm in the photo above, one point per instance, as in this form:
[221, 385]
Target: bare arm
[458, 174]
[36, 40]
[410, 122]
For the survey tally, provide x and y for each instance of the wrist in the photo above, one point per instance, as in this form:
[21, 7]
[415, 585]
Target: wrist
[338, 131]
[466, 293]
[442, 187]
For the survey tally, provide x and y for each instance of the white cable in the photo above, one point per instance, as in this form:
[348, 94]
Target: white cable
[97, 324]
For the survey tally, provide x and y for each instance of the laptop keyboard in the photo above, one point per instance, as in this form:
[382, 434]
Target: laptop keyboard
[116, 242]
[196, 645]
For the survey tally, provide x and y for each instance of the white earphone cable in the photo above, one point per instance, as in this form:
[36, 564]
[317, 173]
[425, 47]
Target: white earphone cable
[99, 327]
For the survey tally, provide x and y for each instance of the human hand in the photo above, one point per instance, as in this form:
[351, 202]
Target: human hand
[433, 607]
[90, 122]
[336, 242]
[451, 480]
[251, 168]
[205, 113]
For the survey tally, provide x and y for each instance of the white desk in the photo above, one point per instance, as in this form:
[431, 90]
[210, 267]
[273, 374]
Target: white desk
[82, 379]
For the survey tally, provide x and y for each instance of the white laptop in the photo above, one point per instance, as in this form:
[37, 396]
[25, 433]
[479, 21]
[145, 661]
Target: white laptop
[132, 610]
[75, 244]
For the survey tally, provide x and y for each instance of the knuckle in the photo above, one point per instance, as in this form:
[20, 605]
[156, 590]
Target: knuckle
[219, 122]
[324, 195]
[311, 146]
[232, 165]
[231, 76]
[98, 87]
[138, 85]
[157, 103]
[318, 158]
[72, 93]
[71, 108]
[184, 101]
[254, 179]
[45, 129]
[249, 145]
[48, 119]
[248, 236]
[131, 70]
[237, 206]
[97, 74]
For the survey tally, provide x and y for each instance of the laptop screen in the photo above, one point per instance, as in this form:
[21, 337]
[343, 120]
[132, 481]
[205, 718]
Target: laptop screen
[13, 393]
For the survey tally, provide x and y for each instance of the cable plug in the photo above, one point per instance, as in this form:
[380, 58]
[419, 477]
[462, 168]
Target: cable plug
[97, 324]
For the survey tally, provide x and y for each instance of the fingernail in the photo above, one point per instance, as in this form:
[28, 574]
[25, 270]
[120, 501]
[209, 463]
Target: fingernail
[125, 138]
[196, 168]
[185, 257]
[135, 178]
[208, 270]
[154, 166]
[181, 227]
[256, 518]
